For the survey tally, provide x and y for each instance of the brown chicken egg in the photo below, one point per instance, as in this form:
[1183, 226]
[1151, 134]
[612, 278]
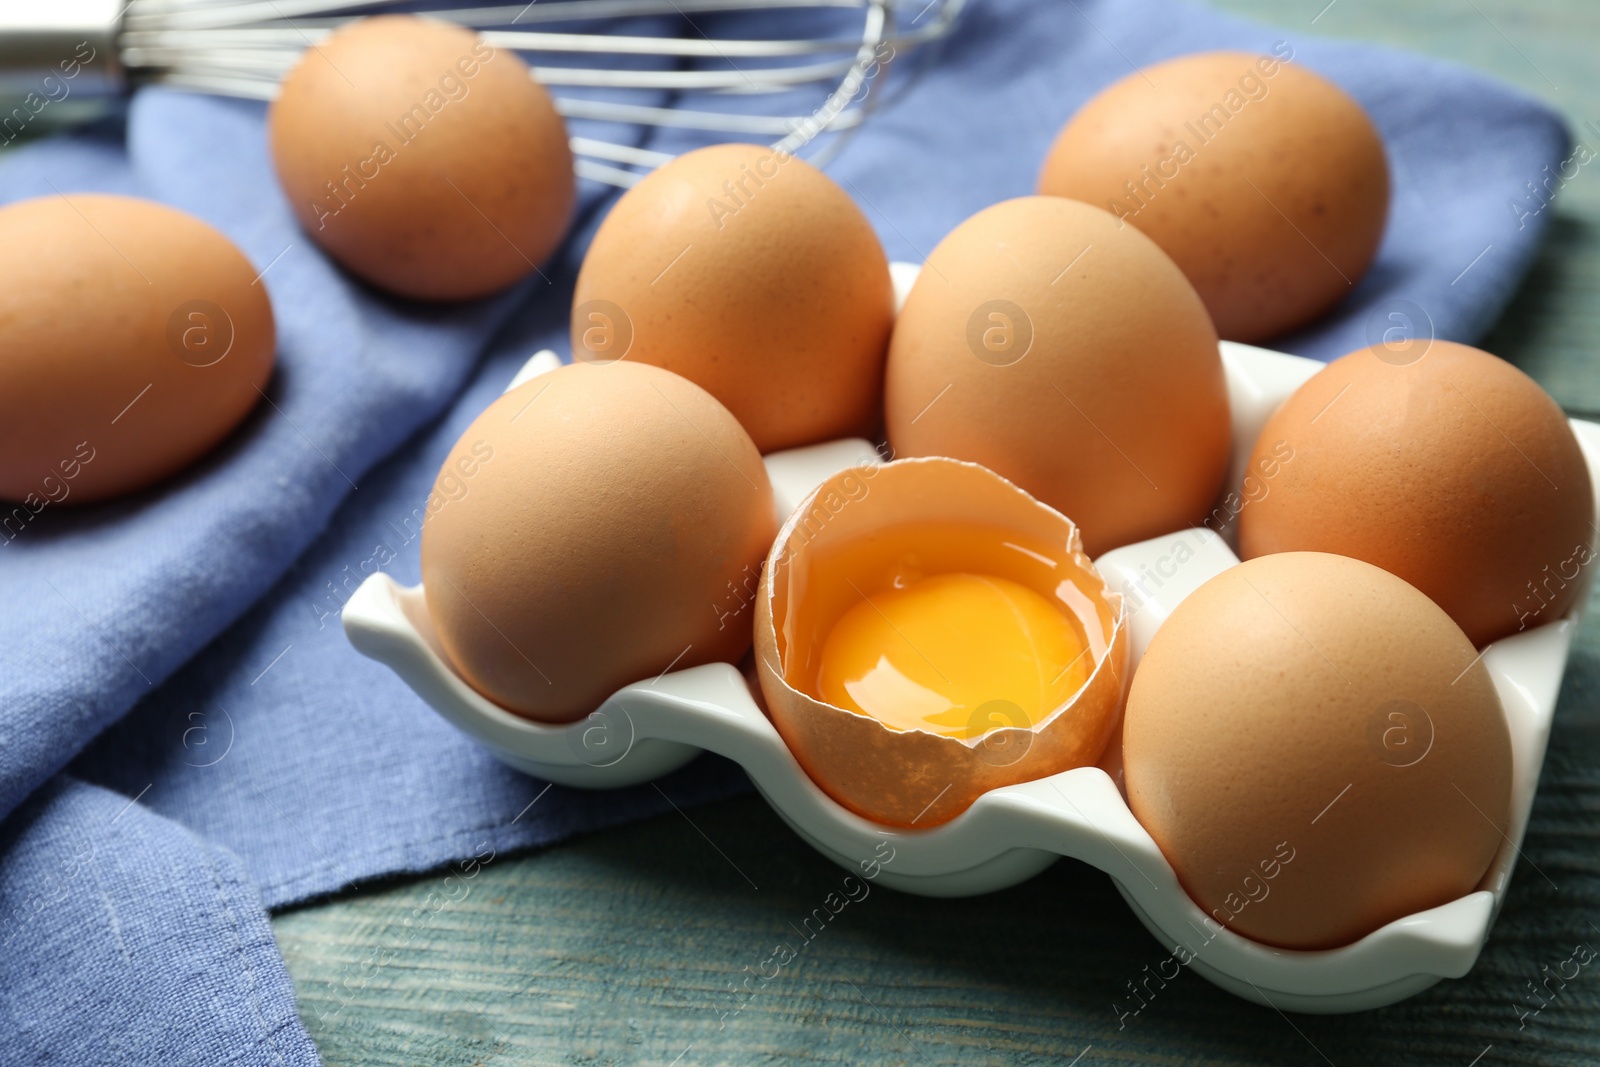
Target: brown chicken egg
[749, 272]
[593, 527]
[1067, 353]
[1265, 182]
[1317, 750]
[130, 349]
[1439, 463]
[926, 632]
[422, 159]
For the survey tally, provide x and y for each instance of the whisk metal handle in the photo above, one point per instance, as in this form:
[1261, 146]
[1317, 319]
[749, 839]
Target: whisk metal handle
[58, 49]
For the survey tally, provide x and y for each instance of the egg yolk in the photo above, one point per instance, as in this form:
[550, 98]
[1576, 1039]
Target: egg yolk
[953, 654]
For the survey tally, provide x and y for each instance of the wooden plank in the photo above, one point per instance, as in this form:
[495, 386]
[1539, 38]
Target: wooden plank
[632, 947]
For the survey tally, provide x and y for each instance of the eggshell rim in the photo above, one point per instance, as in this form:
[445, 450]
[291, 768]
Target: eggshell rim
[1115, 640]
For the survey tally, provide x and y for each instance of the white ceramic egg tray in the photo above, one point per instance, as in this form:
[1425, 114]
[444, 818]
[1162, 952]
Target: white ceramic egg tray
[652, 727]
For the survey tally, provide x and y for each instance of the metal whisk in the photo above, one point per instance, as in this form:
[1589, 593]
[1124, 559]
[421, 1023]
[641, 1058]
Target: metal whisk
[243, 48]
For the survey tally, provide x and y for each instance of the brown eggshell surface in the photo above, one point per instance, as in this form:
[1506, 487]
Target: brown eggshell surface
[1439, 463]
[134, 341]
[916, 778]
[1264, 181]
[1068, 354]
[751, 273]
[1317, 750]
[422, 159]
[593, 527]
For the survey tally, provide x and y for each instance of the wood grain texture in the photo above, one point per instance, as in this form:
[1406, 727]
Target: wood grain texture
[631, 947]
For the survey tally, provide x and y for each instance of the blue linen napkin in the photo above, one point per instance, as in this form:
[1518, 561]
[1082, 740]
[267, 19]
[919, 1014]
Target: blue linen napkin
[124, 938]
[212, 601]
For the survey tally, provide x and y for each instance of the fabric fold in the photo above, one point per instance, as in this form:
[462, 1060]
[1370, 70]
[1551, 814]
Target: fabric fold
[126, 939]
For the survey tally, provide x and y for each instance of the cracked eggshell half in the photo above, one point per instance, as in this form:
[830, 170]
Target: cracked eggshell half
[917, 778]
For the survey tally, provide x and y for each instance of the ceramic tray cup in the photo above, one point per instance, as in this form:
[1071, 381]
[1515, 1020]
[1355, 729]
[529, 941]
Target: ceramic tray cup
[654, 726]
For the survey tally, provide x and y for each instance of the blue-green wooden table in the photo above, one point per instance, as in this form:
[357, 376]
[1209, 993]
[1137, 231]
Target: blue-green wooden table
[631, 946]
